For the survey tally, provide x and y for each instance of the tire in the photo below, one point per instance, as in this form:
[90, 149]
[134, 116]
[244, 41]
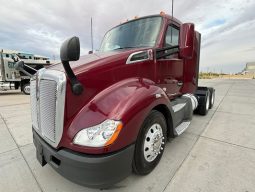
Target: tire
[154, 128]
[26, 88]
[212, 97]
[204, 104]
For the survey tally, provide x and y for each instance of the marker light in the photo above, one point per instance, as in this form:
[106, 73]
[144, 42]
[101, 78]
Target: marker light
[162, 13]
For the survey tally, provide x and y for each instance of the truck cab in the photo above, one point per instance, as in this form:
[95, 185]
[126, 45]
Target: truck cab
[11, 77]
[98, 117]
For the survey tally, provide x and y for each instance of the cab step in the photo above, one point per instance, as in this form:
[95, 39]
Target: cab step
[182, 127]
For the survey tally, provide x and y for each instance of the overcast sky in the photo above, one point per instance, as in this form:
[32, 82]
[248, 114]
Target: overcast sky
[40, 26]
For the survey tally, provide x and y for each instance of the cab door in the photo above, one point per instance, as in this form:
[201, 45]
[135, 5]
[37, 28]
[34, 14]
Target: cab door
[170, 68]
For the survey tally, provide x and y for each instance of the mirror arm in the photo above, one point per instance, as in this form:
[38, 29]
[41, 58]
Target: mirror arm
[30, 68]
[19, 65]
[25, 72]
[77, 87]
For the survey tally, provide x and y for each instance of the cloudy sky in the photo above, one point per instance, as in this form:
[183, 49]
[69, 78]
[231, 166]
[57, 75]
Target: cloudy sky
[40, 26]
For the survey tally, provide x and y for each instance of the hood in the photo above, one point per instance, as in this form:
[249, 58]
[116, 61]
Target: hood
[87, 62]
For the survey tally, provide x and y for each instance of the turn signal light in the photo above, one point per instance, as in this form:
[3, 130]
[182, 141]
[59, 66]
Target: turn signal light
[115, 134]
[162, 13]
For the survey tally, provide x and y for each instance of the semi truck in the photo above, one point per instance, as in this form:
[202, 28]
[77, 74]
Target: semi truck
[12, 78]
[99, 117]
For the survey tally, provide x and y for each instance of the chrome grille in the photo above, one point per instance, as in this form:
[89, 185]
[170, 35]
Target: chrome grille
[33, 104]
[47, 104]
[48, 97]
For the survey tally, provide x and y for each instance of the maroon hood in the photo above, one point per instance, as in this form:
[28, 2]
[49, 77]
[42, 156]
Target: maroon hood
[88, 62]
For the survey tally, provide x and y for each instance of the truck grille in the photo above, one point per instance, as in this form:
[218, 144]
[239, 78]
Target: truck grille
[48, 97]
[33, 104]
[47, 104]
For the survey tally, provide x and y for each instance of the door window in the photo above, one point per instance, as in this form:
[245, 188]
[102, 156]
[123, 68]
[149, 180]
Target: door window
[172, 36]
[171, 39]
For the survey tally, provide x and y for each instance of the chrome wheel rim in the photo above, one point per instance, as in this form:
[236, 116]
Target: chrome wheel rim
[27, 89]
[212, 100]
[207, 102]
[153, 142]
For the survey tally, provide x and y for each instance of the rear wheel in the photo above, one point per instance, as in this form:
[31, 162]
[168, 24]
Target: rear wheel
[204, 104]
[150, 144]
[26, 89]
[212, 97]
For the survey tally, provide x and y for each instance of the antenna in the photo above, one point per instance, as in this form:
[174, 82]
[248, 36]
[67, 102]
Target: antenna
[172, 9]
[91, 33]
[172, 20]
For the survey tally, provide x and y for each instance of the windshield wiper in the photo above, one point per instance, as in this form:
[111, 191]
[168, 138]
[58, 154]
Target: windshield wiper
[128, 47]
[123, 48]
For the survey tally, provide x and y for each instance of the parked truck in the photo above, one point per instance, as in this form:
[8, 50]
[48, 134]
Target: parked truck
[12, 78]
[98, 117]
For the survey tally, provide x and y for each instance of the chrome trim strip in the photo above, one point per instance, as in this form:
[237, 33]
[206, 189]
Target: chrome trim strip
[173, 94]
[149, 53]
[158, 95]
[178, 107]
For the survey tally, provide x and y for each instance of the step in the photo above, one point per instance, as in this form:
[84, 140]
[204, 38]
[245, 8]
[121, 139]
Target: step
[182, 127]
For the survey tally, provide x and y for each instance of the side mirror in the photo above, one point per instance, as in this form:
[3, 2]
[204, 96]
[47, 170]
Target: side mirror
[19, 66]
[70, 51]
[187, 34]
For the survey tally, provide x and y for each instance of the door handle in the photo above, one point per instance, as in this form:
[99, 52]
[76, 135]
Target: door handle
[180, 83]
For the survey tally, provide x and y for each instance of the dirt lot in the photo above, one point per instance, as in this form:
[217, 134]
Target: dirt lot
[216, 153]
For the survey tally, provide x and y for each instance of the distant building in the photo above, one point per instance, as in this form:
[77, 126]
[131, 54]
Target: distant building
[249, 68]
[22, 55]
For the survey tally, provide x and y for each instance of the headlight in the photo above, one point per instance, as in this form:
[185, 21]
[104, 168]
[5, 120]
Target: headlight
[100, 135]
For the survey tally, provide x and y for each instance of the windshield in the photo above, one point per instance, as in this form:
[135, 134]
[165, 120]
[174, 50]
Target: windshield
[137, 33]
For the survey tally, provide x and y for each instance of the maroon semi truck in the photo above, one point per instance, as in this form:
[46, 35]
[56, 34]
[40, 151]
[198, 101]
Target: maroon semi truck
[98, 117]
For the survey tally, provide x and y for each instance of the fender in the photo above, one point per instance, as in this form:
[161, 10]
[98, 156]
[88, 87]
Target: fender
[129, 101]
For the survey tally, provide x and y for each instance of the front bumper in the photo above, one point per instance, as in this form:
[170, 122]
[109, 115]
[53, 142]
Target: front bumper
[96, 171]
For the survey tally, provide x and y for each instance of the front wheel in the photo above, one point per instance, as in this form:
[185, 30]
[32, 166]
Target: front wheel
[26, 89]
[150, 144]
